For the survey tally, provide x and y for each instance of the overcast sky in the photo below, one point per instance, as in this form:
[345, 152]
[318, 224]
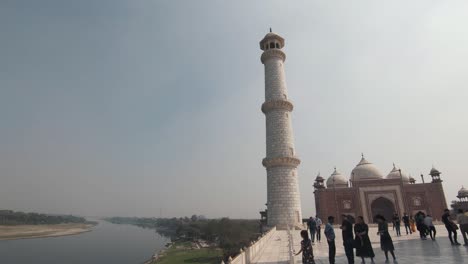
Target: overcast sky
[152, 108]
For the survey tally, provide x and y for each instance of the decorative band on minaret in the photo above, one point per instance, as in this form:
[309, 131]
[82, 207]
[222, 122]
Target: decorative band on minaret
[283, 198]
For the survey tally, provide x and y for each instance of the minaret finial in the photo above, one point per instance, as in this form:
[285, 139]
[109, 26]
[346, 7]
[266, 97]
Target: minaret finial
[362, 154]
[270, 29]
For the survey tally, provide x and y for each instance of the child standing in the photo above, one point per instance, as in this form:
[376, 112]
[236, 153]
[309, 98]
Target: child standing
[306, 249]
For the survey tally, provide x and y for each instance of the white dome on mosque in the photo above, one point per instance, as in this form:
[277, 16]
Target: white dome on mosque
[396, 173]
[365, 170]
[337, 180]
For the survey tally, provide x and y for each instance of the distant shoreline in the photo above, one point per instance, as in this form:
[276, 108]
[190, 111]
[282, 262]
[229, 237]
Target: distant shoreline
[42, 231]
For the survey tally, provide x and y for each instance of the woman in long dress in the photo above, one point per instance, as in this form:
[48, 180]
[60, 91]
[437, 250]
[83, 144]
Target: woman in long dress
[386, 243]
[363, 244]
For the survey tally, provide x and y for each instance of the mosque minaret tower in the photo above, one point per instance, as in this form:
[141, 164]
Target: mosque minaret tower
[283, 198]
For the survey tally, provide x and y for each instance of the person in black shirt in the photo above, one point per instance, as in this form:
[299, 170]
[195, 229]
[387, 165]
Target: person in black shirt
[348, 238]
[451, 227]
[406, 221]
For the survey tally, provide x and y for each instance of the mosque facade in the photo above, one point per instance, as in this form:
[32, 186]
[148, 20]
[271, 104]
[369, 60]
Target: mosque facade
[368, 193]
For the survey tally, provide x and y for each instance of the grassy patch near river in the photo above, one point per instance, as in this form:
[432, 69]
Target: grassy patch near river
[184, 253]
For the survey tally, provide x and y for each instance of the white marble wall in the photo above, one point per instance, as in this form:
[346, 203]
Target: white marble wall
[279, 135]
[275, 81]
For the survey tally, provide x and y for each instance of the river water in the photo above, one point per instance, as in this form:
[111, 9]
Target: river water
[106, 244]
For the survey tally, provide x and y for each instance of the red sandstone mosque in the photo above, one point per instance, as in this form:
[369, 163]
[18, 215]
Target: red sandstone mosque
[369, 193]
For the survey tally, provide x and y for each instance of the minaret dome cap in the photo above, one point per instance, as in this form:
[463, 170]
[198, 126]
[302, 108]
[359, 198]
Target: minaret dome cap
[272, 37]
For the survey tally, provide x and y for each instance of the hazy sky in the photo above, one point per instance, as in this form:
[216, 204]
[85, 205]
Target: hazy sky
[147, 107]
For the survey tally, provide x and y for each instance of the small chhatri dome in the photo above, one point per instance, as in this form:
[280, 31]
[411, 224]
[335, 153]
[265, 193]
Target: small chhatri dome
[412, 180]
[272, 41]
[337, 180]
[365, 170]
[395, 174]
[319, 177]
[434, 171]
[463, 192]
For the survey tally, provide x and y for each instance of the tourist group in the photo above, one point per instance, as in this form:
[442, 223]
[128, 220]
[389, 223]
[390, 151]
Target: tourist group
[355, 233]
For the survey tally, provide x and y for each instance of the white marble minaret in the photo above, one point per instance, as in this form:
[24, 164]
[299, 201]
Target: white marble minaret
[283, 198]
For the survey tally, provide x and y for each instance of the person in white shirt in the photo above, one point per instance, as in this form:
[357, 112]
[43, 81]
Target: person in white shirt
[430, 226]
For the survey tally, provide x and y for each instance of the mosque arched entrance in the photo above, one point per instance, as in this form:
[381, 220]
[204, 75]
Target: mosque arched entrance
[383, 206]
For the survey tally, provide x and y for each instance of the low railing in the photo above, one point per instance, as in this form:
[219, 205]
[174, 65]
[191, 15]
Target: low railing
[249, 254]
[291, 247]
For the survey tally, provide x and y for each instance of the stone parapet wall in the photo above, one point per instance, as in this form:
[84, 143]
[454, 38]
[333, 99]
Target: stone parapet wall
[250, 254]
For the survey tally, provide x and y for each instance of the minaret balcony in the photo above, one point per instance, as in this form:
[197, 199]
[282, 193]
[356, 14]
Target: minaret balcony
[281, 162]
[272, 53]
[277, 104]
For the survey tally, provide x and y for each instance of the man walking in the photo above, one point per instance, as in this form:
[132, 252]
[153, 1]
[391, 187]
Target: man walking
[462, 220]
[430, 226]
[312, 224]
[419, 217]
[318, 222]
[406, 221]
[348, 238]
[396, 223]
[451, 227]
[330, 235]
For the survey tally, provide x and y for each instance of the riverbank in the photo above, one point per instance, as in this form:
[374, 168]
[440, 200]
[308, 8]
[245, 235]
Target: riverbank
[187, 252]
[40, 231]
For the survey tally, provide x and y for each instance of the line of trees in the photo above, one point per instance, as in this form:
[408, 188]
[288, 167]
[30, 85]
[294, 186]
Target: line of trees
[228, 234]
[9, 217]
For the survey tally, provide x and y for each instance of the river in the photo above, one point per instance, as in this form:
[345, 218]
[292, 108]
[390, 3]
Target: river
[106, 244]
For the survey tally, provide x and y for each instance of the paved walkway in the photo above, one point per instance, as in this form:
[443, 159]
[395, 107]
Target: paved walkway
[277, 249]
[409, 249]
